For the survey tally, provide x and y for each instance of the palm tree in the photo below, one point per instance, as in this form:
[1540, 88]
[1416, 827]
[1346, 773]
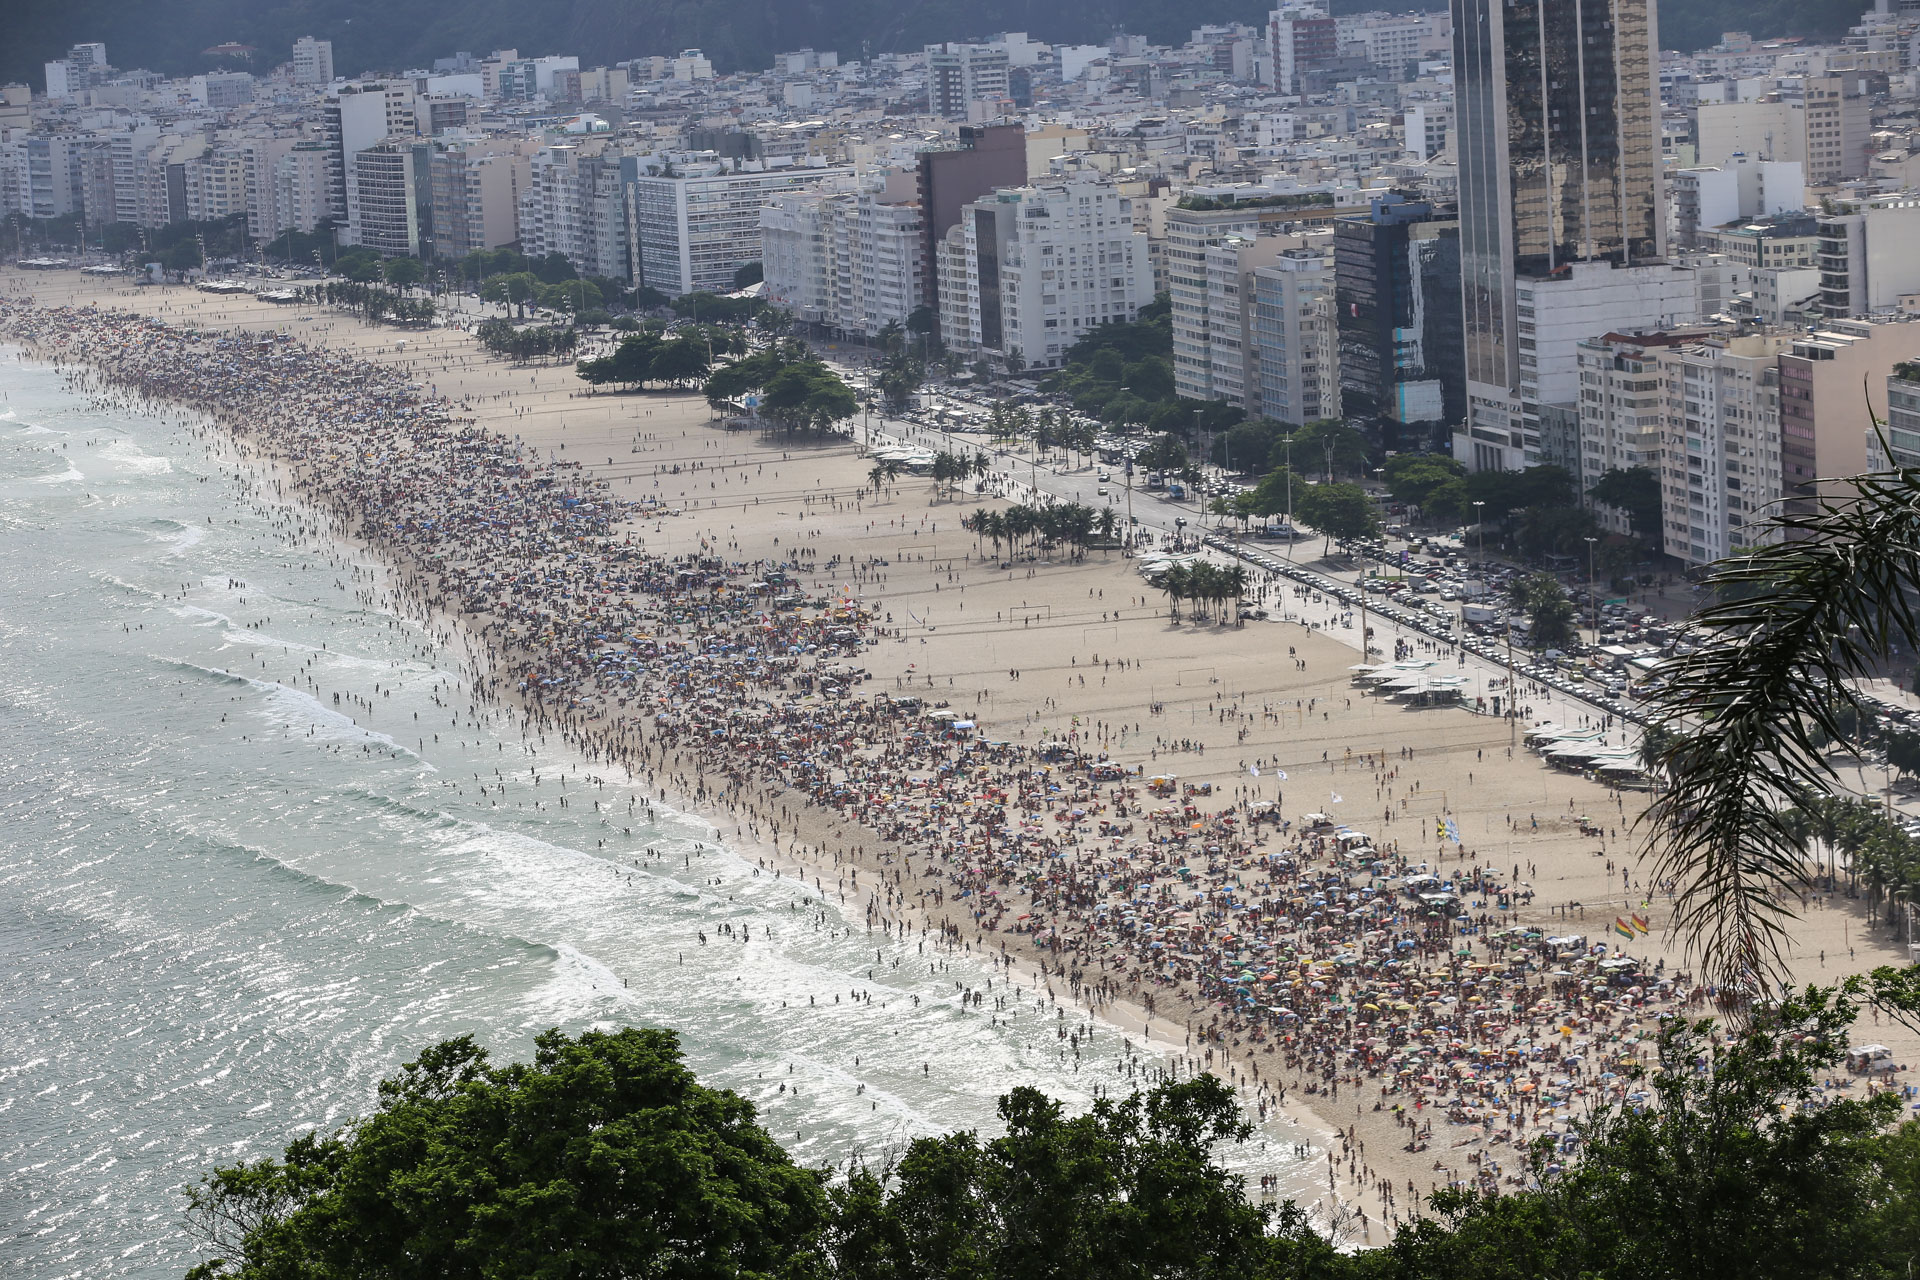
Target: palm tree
[1801, 618]
[976, 524]
[1234, 583]
[1106, 522]
[1174, 580]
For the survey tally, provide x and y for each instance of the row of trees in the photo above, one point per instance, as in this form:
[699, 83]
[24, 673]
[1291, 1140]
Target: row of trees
[1538, 508]
[1202, 582]
[1073, 524]
[1342, 512]
[604, 1156]
[534, 342]
[1122, 374]
[651, 356]
[794, 388]
[372, 302]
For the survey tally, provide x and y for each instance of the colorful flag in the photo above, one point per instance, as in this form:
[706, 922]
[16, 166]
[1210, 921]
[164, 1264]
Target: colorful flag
[1439, 829]
[1622, 928]
[1642, 924]
[1453, 831]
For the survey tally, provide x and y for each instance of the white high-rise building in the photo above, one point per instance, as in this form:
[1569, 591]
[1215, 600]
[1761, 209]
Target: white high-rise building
[1294, 341]
[302, 188]
[386, 182]
[850, 261]
[961, 74]
[312, 61]
[574, 204]
[695, 220]
[1234, 372]
[1701, 411]
[1191, 234]
[1042, 265]
[358, 117]
[1299, 37]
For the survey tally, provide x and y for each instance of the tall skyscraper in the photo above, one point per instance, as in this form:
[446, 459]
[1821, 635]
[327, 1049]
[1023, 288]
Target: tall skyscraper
[1556, 119]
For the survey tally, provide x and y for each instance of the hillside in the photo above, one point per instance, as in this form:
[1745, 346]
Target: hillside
[380, 35]
[168, 35]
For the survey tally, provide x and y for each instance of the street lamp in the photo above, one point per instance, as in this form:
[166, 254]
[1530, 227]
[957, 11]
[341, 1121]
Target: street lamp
[1592, 595]
[1291, 531]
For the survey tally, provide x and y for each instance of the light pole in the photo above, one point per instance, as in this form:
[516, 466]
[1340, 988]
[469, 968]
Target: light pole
[1593, 597]
[1292, 533]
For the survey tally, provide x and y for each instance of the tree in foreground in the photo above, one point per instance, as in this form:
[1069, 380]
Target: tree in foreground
[1129, 1189]
[1728, 1161]
[1800, 621]
[603, 1157]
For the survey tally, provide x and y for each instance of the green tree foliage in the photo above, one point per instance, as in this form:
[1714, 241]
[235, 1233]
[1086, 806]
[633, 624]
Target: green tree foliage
[1128, 1189]
[1163, 453]
[1328, 446]
[182, 258]
[1551, 531]
[1737, 1167]
[373, 303]
[569, 296]
[1341, 512]
[1123, 374]
[1072, 524]
[1507, 493]
[516, 288]
[404, 273]
[601, 1157]
[1414, 478]
[604, 1157]
[650, 356]
[712, 308]
[806, 395]
[1636, 491]
[503, 338]
[1546, 602]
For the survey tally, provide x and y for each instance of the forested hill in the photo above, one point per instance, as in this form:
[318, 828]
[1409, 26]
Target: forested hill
[379, 35]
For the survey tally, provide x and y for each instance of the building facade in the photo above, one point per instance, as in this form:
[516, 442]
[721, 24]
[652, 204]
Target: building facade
[1558, 147]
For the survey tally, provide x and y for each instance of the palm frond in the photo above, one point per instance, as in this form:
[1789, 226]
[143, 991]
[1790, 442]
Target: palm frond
[1800, 621]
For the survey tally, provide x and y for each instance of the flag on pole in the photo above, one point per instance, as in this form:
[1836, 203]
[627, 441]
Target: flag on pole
[1280, 774]
[1439, 828]
[1642, 924]
[1337, 798]
[1453, 831]
[1254, 769]
[1622, 928]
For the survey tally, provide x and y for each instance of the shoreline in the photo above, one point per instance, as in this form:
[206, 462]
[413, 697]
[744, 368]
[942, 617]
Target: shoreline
[286, 481]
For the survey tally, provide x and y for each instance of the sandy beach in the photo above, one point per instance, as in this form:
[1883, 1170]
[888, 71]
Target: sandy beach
[1075, 881]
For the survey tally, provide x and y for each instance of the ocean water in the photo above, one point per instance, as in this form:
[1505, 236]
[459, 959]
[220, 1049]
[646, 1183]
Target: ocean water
[229, 905]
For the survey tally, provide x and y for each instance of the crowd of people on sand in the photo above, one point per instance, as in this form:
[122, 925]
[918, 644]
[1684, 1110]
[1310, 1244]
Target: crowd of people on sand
[1296, 956]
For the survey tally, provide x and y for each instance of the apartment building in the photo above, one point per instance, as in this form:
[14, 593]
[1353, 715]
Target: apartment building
[959, 75]
[312, 61]
[849, 261]
[1041, 265]
[694, 219]
[1295, 347]
[575, 204]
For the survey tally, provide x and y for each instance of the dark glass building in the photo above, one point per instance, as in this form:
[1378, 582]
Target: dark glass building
[1558, 143]
[1397, 303]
